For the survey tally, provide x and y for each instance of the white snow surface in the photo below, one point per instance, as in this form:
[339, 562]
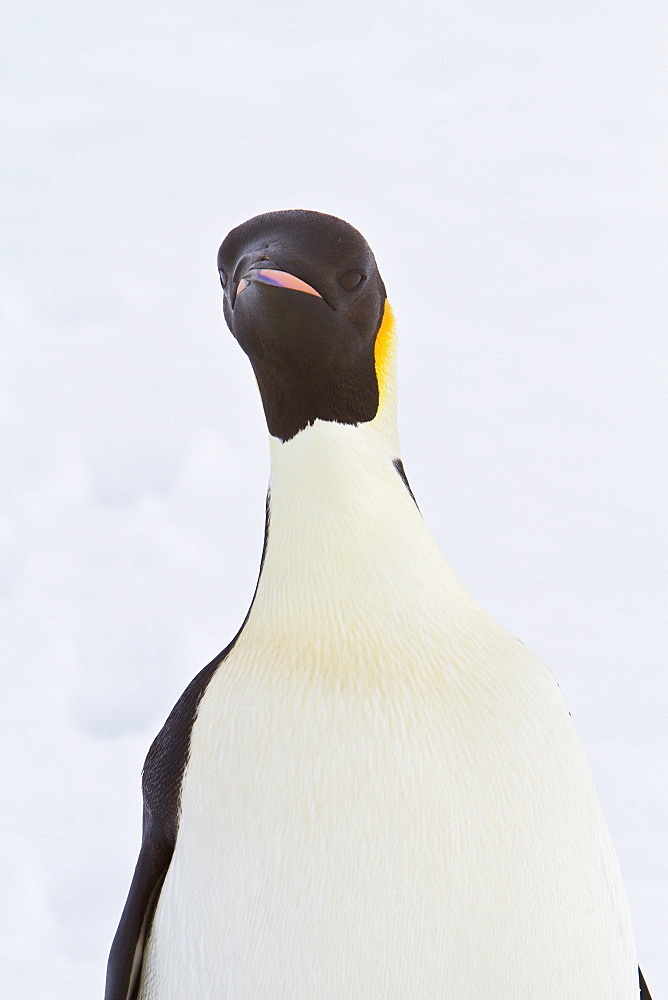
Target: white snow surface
[503, 161]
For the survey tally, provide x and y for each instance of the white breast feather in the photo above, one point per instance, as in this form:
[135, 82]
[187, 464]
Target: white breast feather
[386, 797]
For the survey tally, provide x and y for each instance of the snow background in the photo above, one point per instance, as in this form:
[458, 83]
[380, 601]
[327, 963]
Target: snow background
[502, 160]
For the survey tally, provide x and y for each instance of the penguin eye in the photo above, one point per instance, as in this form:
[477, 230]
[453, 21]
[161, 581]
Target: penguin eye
[223, 277]
[351, 279]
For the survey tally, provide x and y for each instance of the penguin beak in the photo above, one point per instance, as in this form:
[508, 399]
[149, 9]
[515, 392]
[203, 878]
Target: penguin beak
[279, 279]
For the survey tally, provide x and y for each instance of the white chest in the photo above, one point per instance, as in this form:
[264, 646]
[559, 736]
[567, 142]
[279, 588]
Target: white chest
[385, 798]
[388, 833]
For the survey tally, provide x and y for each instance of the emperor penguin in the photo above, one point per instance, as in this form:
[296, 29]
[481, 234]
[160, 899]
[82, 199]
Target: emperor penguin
[374, 792]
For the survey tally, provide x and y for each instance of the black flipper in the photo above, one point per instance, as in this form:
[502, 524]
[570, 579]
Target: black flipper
[162, 778]
[125, 958]
[161, 785]
[644, 992]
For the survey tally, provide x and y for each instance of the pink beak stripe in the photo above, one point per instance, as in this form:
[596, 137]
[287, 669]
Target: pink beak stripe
[281, 279]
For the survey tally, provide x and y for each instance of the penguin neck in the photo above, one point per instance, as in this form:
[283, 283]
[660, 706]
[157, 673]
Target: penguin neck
[345, 539]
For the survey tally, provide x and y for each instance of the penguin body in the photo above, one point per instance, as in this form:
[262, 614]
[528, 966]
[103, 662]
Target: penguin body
[375, 791]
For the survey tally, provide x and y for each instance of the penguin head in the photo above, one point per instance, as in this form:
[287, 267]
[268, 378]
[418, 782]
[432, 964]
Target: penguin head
[303, 297]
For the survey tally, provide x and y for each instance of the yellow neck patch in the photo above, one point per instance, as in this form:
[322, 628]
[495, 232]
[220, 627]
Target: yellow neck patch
[384, 350]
